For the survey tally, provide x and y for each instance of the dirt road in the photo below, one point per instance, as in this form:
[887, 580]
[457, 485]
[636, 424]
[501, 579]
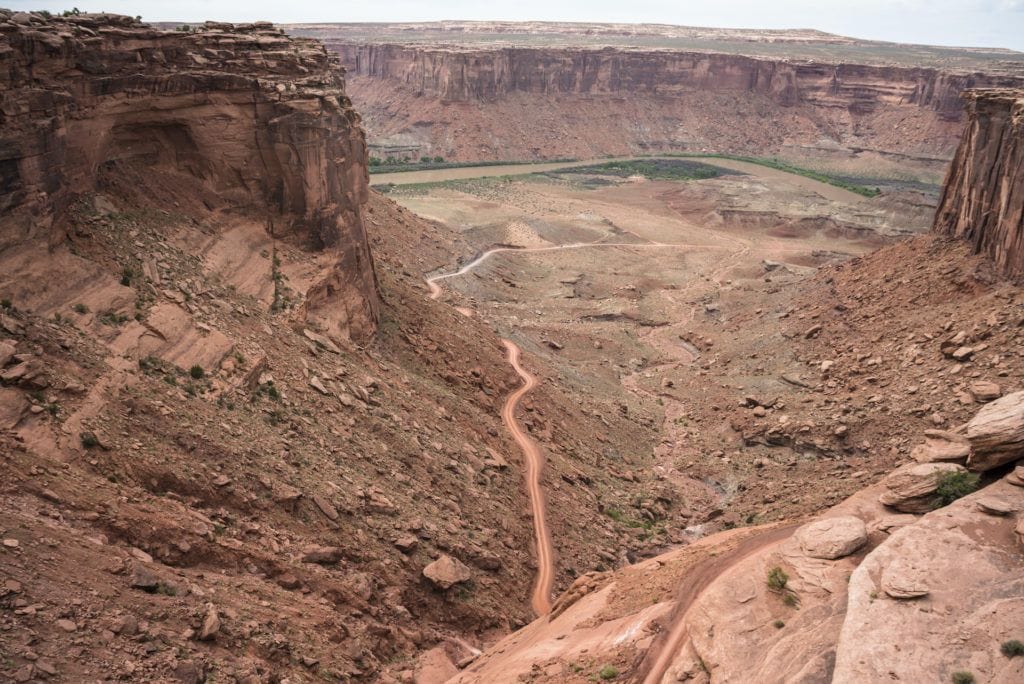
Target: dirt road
[541, 600]
[659, 658]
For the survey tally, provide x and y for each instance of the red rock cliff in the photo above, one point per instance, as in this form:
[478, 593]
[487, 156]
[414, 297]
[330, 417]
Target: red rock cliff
[983, 200]
[659, 99]
[257, 122]
[484, 75]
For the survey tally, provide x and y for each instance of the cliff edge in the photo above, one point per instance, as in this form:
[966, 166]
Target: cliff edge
[983, 201]
[242, 120]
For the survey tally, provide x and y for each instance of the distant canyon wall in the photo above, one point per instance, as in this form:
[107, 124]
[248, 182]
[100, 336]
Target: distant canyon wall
[983, 200]
[609, 101]
[243, 118]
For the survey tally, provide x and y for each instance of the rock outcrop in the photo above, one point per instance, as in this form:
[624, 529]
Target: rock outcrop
[241, 118]
[983, 201]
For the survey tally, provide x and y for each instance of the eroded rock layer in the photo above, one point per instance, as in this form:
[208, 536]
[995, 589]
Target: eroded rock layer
[983, 201]
[252, 121]
[619, 100]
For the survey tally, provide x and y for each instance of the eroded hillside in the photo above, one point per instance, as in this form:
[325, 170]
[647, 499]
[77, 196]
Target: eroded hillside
[232, 440]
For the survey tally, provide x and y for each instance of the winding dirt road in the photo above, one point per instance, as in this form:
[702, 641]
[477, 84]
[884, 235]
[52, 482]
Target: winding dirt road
[544, 582]
[541, 599]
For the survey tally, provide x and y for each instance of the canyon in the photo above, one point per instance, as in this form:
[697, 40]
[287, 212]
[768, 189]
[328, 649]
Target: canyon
[268, 415]
[478, 92]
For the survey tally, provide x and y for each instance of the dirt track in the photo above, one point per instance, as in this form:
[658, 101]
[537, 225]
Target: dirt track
[659, 658]
[541, 599]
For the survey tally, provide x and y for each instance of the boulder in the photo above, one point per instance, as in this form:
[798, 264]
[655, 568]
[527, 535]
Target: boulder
[832, 538]
[996, 433]
[324, 555]
[7, 350]
[936, 596]
[940, 445]
[995, 506]
[446, 572]
[985, 391]
[211, 623]
[911, 489]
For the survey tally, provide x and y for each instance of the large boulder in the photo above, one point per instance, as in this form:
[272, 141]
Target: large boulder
[446, 572]
[832, 538]
[911, 489]
[937, 597]
[940, 445]
[996, 433]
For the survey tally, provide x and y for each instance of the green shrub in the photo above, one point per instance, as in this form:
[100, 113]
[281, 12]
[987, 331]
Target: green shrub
[608, 672]
[89, 440]
[6, 304]
[81, 308]
[954, 485]
[963, 678]
[1012, 648]
[778, 624]
[777, 579]
[439, 160]
[196, 372]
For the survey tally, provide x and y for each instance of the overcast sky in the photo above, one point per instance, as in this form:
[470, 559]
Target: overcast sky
[991, 23]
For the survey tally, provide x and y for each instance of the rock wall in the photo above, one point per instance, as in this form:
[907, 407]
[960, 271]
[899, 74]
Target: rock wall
[486, 75]
[983, 200]
[257, 123]
[661, 99]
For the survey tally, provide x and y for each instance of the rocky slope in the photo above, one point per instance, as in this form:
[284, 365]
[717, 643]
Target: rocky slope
[983, 201]
[586, 102]
[230, 443]
[859, 586]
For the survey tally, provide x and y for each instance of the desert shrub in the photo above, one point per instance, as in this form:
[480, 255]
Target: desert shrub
[1012, 648]
[608, 672]
[777, 579]
[196, 372]
[963, 678]
[778, 624]
[954, 485]
[81, 308]
[89, 440]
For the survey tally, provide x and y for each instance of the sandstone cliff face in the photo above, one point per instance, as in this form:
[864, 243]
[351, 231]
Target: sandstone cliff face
[658, 99]
[983, 201]
[254, 123]
[485, 75]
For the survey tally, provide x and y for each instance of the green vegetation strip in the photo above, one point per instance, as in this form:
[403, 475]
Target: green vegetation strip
[779, 165]
[652, 169]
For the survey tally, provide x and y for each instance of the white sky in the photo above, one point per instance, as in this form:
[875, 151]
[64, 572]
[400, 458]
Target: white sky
[990, 23]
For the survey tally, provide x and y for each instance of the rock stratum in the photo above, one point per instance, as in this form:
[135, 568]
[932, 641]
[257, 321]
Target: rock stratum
[256, 124]
[473, 102]
[983, 201]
